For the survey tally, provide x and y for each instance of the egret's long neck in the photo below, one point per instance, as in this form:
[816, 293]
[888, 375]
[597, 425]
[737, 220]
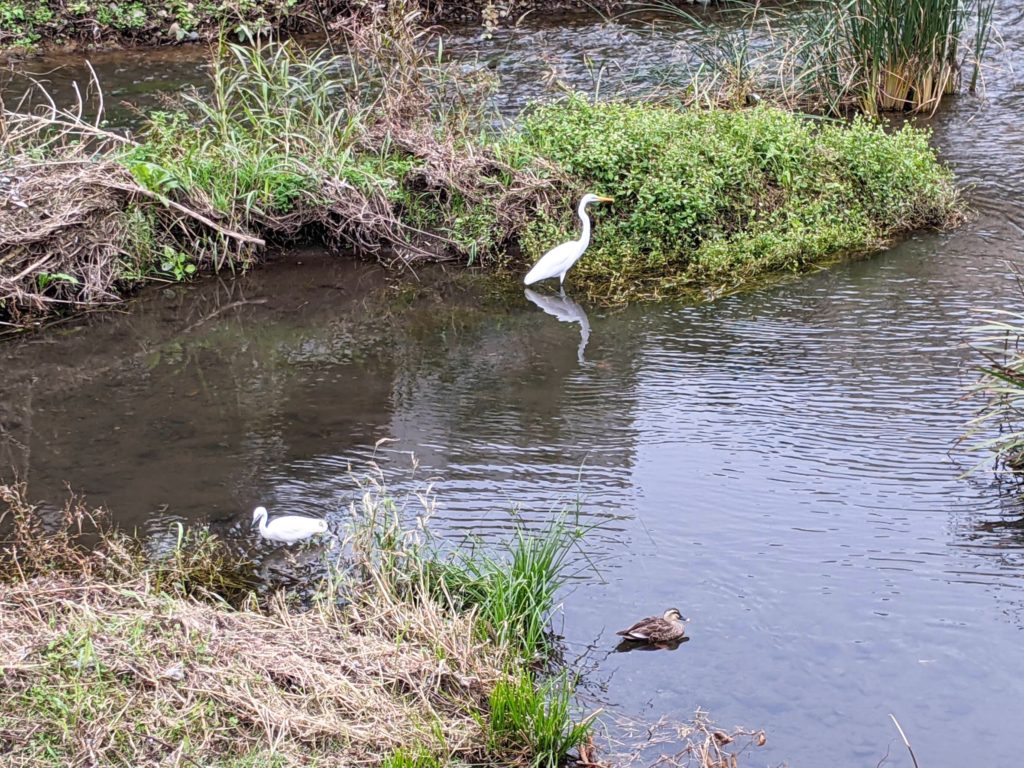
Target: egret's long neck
[263, 524]
[585, 237]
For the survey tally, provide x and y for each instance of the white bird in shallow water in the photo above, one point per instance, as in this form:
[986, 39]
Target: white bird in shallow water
[287, 529]
[557, 261]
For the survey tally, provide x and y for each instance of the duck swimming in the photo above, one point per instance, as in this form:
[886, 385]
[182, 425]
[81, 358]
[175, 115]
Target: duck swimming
[669, 628]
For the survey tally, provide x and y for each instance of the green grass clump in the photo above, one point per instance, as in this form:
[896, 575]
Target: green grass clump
[411, 758]
[720, 195]
[512, 594]
[509, 587]
[509, 590]
[535, 717]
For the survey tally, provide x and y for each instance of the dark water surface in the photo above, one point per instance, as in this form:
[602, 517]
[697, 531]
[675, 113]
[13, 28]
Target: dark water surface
[775, 464]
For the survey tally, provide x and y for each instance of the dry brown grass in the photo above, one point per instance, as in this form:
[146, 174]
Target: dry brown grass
[700, 743]
[154, 671]
[109, 658]
[72, 225]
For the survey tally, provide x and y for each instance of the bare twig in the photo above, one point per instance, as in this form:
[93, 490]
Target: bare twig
[906, 742]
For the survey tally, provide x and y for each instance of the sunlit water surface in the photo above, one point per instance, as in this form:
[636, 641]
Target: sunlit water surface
[776, 464]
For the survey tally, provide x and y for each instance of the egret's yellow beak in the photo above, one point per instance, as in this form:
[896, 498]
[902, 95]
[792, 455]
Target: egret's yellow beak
[606, 199]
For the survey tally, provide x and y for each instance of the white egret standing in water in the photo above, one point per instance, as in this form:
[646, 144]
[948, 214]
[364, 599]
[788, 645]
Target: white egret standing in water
[557, 261]
[287, 529]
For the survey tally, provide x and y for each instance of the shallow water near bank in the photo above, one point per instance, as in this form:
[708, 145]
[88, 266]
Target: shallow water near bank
[776, 464]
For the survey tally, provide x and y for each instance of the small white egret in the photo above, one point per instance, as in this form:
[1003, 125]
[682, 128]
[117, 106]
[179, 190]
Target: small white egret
[557, 261]
[287, 529]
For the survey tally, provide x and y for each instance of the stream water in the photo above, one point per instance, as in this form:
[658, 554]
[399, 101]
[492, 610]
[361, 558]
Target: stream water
[776, 464]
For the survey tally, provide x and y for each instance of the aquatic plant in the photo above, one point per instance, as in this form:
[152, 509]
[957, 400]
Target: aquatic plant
[998, 429]
[839, 56]
[909, 51]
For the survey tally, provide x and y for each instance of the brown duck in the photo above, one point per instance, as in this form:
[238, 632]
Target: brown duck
[669, 628]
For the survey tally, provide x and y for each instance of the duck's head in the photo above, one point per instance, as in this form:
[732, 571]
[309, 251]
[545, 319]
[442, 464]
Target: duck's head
[673, 614]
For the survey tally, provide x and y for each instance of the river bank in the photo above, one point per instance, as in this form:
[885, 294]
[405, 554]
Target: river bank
[402, 161]
[398, 655]
[40, 25]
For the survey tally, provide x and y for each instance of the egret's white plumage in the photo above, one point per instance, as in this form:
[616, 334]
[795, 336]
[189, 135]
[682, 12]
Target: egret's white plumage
[557, 261]
[287, 529]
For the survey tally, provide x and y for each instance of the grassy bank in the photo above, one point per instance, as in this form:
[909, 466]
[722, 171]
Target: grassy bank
[403, 656]
[391, 151]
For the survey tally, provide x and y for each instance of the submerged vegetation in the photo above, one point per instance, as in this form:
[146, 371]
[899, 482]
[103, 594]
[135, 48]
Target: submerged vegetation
[392, 150]
[115, 656]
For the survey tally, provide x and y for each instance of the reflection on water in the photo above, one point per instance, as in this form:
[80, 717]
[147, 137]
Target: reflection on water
[776, 463]
[566, 311]
[626, 646]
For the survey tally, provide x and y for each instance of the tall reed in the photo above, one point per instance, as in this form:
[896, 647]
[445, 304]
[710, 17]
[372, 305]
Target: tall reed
[837, 56]
[908, 52]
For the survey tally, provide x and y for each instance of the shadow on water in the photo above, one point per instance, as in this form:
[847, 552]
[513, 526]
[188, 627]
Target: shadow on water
[776, 462]
[626, 646]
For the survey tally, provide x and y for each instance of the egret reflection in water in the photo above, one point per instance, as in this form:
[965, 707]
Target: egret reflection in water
[567, 311]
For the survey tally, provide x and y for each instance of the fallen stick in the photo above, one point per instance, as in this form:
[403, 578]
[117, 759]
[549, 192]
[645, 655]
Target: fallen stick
[190, 213]
[905, 740]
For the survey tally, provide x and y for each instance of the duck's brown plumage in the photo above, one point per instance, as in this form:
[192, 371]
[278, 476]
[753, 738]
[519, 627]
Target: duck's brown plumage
[657, 629]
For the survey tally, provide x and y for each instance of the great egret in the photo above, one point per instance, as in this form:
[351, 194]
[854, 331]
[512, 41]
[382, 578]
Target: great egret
[557, 261]
[287, 529]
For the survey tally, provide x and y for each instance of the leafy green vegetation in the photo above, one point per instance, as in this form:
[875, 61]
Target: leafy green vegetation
[702, 197]
[719, 196]
[26, 23]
